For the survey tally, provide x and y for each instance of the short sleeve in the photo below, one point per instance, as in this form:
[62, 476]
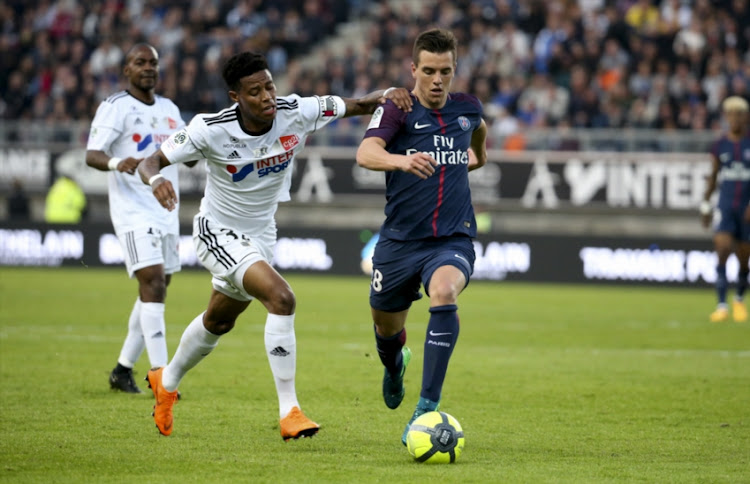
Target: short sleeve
[105, 128]
[386, 122]
[183, 145]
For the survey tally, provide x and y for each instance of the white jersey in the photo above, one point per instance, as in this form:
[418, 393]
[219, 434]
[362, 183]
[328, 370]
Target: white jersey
[249, 175]
[126, 127]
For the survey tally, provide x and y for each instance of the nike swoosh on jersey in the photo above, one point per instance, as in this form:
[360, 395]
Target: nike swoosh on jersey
[432, 333]
[420, 126]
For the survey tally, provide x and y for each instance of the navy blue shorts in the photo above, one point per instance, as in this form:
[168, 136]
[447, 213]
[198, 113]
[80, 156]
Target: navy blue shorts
[399, 267]
[732, 221]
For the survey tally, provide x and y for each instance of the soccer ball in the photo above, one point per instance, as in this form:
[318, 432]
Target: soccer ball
[435, 438]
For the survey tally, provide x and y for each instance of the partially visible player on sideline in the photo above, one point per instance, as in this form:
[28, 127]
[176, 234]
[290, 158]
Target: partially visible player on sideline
[731, 171]
[128, 126]
[427, 234]
[250, 148]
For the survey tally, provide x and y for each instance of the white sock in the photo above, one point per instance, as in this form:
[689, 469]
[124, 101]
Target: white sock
[281, 349]
[133, 345]
[154, 330]
[196, 343]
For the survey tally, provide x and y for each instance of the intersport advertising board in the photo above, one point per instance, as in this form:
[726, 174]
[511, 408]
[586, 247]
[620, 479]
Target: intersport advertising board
[529, 179]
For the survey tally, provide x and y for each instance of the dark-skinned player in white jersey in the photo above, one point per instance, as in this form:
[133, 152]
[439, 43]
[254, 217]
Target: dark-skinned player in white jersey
[249, 150]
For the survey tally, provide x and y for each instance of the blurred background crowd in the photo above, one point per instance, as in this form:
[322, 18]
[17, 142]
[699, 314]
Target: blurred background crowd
[656, 64]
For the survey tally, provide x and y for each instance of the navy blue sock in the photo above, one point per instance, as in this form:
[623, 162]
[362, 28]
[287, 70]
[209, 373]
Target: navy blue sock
[389, 350]
[721, 283]
[442, 334]
[742, 283]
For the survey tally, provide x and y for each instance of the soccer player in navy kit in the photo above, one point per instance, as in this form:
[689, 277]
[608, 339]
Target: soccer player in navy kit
[427, 154]
[731, 170]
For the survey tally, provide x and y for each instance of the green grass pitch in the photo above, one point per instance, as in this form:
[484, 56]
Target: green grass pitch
[551, 384]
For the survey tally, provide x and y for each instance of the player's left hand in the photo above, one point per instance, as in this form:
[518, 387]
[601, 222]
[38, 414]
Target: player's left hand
[400, 96]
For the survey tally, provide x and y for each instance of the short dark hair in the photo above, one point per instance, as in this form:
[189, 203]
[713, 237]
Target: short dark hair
[241, 65]
[436, 41]
[140, 45]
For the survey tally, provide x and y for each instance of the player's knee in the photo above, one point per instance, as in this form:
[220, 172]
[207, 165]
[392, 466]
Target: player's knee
[153, 289]
[218, 326]
[444, 293]
[282, 301]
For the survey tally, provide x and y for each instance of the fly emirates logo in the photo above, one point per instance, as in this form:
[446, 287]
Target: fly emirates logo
[444, 153]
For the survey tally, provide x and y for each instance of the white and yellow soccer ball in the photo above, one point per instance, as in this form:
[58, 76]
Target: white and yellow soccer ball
[435, 438]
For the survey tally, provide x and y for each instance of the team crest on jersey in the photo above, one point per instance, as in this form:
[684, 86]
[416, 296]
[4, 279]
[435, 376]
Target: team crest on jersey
[289, 142]
[260, 152]
[376, 117]
[234, 142]
[464, 122]
[328, 108]
[154, 122]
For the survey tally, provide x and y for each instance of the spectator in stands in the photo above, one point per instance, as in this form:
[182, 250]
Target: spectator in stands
[18, 203]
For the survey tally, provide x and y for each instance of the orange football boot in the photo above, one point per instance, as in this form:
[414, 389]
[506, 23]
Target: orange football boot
[164, 401]
[296, 425]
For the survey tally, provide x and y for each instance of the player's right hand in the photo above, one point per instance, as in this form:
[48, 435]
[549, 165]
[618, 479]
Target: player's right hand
[420, 164]
[129, 165]
[164, 193]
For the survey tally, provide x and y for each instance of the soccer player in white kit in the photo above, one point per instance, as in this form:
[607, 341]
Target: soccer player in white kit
[249, 148]
[128, 126]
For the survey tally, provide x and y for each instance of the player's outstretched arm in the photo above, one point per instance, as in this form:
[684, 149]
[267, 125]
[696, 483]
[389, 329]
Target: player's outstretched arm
[367, 104]
[478, 152]
[103, 162]
[372, 155]
[149, 170]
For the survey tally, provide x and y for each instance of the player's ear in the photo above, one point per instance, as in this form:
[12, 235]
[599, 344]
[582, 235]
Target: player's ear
[413, 71]
[233, 96]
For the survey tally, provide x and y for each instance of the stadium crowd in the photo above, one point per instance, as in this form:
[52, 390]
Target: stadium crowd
[661, 64]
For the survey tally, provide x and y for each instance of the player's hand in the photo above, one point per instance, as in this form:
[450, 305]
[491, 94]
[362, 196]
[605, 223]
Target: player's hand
[400, 97]
[164, 193]
[747, 215]
[420, 164]
[129, 165]
[473, 160]
[706, 220]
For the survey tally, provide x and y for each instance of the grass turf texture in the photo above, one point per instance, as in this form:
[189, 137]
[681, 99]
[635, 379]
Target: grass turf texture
[551, 384]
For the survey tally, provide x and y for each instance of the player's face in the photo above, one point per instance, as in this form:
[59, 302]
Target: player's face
[433, 76]
[736, 119]
[142, 69]
[256, 98]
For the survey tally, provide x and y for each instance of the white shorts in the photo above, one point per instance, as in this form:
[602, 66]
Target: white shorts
[227, 253]
[147, 247]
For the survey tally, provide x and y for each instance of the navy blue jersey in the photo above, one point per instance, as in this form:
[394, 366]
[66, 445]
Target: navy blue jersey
[439, 206]
[734, 172]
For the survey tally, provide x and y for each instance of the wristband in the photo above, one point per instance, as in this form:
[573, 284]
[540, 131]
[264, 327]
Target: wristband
[154, 178]
[705, 207]
[385, 93]
[113, 162]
